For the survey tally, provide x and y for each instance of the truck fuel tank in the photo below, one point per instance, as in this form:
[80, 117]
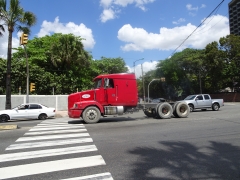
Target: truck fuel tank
[112, 110]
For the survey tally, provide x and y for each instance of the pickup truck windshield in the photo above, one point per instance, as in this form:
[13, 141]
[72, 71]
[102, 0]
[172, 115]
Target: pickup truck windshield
[190, 97]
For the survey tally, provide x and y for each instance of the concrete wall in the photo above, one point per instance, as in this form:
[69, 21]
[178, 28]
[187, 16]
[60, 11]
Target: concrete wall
[57, 101]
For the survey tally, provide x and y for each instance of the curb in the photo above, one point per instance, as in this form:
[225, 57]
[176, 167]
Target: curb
[8, 127]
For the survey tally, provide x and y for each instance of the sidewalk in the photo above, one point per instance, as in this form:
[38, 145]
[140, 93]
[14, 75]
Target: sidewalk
[60, 114]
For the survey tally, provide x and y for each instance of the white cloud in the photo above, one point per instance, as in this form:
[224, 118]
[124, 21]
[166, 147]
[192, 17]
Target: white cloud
[191, 8]
[138, 39]
[47, 28]
[111, 7]
[4, 43]
[179, 21]
[203, 6]
[107, 14]
[142, 68]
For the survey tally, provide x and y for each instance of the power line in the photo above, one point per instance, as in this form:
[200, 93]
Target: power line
[197, 28]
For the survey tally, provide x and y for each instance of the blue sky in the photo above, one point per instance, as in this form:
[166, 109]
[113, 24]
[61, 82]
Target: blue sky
[130, 29]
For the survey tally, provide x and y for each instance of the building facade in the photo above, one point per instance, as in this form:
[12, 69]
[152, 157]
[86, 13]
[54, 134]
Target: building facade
[234, 17]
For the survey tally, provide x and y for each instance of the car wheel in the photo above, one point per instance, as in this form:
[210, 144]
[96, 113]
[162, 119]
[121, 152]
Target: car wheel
[165, 110]
[191, 107]
[91, 115]
[4, 118]
[42, 116]
[215, 107]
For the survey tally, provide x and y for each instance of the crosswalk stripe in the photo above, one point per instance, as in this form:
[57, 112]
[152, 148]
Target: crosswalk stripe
[54, 128]
[61, 136]
[55, 132]
[49, 143]
[50, 166]
[63, 124]
[46, 153]
[102, 176]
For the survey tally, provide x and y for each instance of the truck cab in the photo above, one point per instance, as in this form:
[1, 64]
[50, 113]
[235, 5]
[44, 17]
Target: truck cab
[112, 94]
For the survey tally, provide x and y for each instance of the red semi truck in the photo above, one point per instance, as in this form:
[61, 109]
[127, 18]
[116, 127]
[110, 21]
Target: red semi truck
[114, 94]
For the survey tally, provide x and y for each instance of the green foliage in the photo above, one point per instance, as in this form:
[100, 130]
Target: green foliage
[58, 63]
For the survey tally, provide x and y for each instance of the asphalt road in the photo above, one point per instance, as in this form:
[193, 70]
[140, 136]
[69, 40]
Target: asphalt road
[206, 145]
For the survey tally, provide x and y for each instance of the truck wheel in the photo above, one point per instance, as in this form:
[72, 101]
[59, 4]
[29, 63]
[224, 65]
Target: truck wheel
[165, 110]
[191, 107]
[147, 113]
[215, 107]
[91, 115]
[174, 109]
[182, 109]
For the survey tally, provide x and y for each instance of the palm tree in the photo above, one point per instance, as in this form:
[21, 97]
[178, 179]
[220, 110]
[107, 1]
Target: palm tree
[14, 18]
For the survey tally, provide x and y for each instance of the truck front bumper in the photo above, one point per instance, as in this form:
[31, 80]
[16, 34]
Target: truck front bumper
[75, 113]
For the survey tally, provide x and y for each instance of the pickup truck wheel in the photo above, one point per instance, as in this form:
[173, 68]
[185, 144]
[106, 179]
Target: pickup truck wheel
[4, 118]
[215, 107]
[191, 107]
[165, 110]
[91, 115]
[182, 110]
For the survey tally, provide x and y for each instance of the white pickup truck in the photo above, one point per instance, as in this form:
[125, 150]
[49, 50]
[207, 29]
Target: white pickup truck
[203, 102]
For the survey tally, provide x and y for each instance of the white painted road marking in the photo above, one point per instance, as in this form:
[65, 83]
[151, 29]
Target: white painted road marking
[55, 132]
[48, 143]
[47, 152]
[53, 128]
[50, 166]
[36, 138]
[102, 176]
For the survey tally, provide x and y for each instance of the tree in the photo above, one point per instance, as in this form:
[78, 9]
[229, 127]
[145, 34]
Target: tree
[14, 18]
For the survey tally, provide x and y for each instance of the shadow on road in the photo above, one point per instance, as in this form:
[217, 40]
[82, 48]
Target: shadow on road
[182, 160]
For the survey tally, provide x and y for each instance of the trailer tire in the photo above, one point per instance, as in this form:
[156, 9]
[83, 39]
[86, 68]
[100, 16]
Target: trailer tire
[215, 107]
[164, 110]
[91, 115]
[182, 110]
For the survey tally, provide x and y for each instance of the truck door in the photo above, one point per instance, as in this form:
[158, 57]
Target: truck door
[207, 100]
[110, 89]
[199, 101]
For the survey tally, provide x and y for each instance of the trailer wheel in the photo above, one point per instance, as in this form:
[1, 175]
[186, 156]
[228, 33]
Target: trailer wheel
[182, 109]
[91, 115]
[165, 110]
[215, 107]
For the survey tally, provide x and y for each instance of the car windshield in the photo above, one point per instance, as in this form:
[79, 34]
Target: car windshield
[191, 97]
[97, 83]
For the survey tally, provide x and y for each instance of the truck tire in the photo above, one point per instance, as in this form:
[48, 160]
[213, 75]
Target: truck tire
[174, 109]
[191, 107]
[91, 115]
[215, 107]
[165, 110]
[147, 113]
[182, 110]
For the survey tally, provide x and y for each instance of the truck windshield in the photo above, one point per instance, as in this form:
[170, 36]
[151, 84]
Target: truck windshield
[190, 97]
[97, 83]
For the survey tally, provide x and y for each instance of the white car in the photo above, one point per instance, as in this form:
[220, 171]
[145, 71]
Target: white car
[27, 111]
